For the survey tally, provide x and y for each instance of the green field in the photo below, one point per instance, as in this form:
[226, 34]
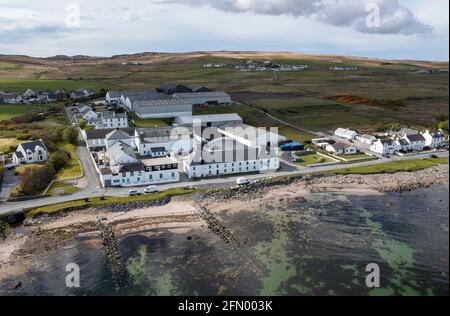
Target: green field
[150, 123]
[393, 167]
[312, 160]
[7, 111]
[58, 185]
[21, 85]
[73, 167]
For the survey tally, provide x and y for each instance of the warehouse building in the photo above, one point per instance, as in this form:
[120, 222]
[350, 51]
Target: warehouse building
[200, 98]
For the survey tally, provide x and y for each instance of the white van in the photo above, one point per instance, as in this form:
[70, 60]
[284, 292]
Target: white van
[242, 181]
[151, 189]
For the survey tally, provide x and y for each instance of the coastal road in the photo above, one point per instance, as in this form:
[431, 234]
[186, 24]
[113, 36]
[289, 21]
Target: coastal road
[94, 191]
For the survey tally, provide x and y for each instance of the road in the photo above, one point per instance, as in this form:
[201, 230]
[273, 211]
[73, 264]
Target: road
[94, 191]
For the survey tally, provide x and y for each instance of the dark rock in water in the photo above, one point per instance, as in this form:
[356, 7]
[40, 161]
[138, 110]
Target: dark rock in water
[189, 238]
[16, 285]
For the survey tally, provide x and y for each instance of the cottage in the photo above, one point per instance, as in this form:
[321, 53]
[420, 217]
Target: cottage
[346, 133]
[403, 145]
[96, 138]
[366, 139]
[77, 95]
[416, 141]
[10, 98]
[113, 97]
[29, 94]
[434, 139]
[341, 149]
[88, 114]
[385, 146]
[30, 152]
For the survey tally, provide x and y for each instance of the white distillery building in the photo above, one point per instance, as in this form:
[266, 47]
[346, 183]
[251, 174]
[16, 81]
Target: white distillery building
[30, 152]
[212, 120]
[165, 108]
[143, 173]
[111, 120]
[163, 141]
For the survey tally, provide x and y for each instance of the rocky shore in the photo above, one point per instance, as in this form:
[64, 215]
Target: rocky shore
[395, 182]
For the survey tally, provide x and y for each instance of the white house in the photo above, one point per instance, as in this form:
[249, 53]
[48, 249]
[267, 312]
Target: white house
[30, 93]
[119, 135]
[161, 141]
[113, 96]
[341, 149]
[121, 153]
[88, 114]
[434, 139]
[10, 98]
[385, 146]
[111, 120]
[148, 172]
[30, 152]
[346, 133]
[366, 139]
[403, 145]
[416, 141]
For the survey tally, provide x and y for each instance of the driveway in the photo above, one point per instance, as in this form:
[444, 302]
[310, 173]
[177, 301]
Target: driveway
[10, 180]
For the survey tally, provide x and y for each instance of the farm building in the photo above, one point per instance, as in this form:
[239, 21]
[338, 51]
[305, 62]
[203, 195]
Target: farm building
[215, 120]
[346, 133]
[165, 108]
[199, 98]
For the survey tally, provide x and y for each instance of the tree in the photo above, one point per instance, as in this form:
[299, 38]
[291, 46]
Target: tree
[58, 160]
[443, 125]
[82, 124]
[70, 135]
[34, 180]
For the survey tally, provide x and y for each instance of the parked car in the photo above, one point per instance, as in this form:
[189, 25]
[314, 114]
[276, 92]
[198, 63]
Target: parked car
[386, 156]
[242, 181]
[134, 193]
[151, 189]
[433, 156]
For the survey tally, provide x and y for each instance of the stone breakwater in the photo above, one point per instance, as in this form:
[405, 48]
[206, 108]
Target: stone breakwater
[110, 244]
[395, 182]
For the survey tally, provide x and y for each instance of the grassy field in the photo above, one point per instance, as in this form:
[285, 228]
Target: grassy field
[354, 157]
[306, 99]
[66, 188]
[393, 167]
[150, 123]
[21, 85]
[312, 159]
[7, 143]
[7, 111]
[108, 200]
[73, 167]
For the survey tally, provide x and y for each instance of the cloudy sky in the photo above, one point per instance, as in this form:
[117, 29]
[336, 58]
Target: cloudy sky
[403, 29]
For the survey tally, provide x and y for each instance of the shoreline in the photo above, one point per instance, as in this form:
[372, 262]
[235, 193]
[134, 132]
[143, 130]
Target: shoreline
[45, 234]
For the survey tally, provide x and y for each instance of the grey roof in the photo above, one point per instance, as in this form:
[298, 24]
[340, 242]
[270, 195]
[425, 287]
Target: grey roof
[403, 142]
[117, 134]
[342, 146]
[119, 148]
[228, 117]
[101, 133]
[111, 115]
[115, 94]
[194, 95]
[159, 134]
[138, 166]
[437, 135]
[387, 141]
[416, 138]
[147, 102]
[85, 109]
[19, 154]
[197, 88]
[32, 145]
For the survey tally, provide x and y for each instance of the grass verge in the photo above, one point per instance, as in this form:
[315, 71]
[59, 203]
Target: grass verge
[107, 200]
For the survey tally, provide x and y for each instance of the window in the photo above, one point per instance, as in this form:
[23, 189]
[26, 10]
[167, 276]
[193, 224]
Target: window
[173, 174]
[160, 175]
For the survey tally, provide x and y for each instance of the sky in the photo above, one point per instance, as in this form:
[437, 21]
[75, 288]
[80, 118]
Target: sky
[394, 29]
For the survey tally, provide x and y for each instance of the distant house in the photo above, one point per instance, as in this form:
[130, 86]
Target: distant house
[61, 95]
[366, 139]
[88, 93]
[434, 139]
[10, 98]
[416, 141]
[113, 96]
[30, 152]
[111, 120]
[341, 149]
[346, 133]
[77, 95]
[385, 146]
[46, 97]
[403, 145]
[30, 93]
[198, 88]
[88, 114]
